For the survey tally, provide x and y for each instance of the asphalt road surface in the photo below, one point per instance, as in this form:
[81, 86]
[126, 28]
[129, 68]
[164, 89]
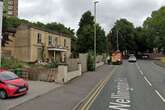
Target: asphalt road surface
[133, 86]
[69, 95]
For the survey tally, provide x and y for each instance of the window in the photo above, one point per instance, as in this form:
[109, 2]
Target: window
[64, 42]
[39, 53]
[39, 39]
[50, 40]
[56, 41]
[10, 12]
[10, 2]
[7, 75]
[10, 7]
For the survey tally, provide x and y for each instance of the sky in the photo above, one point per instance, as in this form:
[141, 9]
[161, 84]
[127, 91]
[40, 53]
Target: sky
[69, 12]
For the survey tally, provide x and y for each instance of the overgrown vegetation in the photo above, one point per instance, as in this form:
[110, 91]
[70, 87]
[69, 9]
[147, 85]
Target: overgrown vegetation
[140, 39]
[90, 61]
[54, 64]
[11, 63]
[85, 35]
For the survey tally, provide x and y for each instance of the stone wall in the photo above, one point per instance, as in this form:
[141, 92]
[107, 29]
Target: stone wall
[99, 64]
[83, 60]
[42, 74]
[73, 74]
[99, 58]
[64, 75]
[73, 64]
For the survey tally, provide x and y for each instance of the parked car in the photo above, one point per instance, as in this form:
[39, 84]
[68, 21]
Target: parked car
[11, 85]
[132, 58]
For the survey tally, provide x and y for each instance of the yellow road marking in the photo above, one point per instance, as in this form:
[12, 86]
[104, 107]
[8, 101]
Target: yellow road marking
[95, 92]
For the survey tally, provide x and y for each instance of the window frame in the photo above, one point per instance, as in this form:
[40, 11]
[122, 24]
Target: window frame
[39, 38]
[50, 40]
[65, 42]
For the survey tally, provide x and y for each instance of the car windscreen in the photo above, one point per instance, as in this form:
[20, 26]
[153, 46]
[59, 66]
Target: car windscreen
[7, 75]
[132, 57]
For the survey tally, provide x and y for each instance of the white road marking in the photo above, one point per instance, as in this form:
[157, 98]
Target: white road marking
[162, 98]
[147, 81]
[138, 66]
[141, 72]
[120, 99]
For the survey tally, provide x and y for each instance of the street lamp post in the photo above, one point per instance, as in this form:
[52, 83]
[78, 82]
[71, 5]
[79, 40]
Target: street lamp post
[117, 41]
[1, 15]
[95, 2]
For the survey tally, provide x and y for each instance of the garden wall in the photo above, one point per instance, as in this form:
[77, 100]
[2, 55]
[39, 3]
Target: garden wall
[64, 75]
[83, 60]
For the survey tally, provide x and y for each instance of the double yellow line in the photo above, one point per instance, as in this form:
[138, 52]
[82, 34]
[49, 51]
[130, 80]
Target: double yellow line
[96, 91]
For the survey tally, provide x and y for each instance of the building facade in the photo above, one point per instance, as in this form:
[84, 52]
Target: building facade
[31, 44]
[11, 8]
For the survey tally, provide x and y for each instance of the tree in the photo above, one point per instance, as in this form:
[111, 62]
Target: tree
[58, 27]
[155, 25]
[142, 40]
[85, 35]
[125, 31]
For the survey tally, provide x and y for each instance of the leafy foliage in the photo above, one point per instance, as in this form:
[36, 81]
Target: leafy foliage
[11, 63]
[90, 61]
[85, 34]
[54, 64]
[155, 26]
[140, 39]
[125, 31]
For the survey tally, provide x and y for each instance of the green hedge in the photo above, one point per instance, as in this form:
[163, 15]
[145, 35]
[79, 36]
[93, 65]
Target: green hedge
[90, 63]
[11, 63]
[54, 64]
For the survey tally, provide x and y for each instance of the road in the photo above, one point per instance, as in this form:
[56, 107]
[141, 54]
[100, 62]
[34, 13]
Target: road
[69, 95]
[134, 86]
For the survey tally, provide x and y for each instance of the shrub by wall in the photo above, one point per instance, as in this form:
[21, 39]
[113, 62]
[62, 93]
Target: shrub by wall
[90, 62]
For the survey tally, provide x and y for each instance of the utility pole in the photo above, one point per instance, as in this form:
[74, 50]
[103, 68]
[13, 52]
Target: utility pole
[95, 2]
[117, 40]
[1, 16]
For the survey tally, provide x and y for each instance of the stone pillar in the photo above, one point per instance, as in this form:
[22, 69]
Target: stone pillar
[62, 74]
[80, 69]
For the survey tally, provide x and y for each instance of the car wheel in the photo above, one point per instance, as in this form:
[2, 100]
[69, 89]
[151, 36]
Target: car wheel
[3, 94]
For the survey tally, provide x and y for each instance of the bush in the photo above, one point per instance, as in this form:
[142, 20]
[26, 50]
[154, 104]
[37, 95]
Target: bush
[90, 63]
[11, 63]
[54, 64]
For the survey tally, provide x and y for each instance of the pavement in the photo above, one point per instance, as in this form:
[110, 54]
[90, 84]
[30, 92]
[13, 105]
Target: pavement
[159, 63]
[133, 86]
[69, 95]
[36, 89]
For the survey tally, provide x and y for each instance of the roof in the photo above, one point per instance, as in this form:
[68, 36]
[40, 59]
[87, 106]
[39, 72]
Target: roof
[22, 26]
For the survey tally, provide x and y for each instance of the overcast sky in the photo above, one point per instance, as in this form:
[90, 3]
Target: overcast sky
[69, 12]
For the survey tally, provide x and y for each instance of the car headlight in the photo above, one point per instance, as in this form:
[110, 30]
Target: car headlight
[11, 86]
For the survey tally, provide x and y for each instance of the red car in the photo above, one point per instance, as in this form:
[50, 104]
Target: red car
[11, 85]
